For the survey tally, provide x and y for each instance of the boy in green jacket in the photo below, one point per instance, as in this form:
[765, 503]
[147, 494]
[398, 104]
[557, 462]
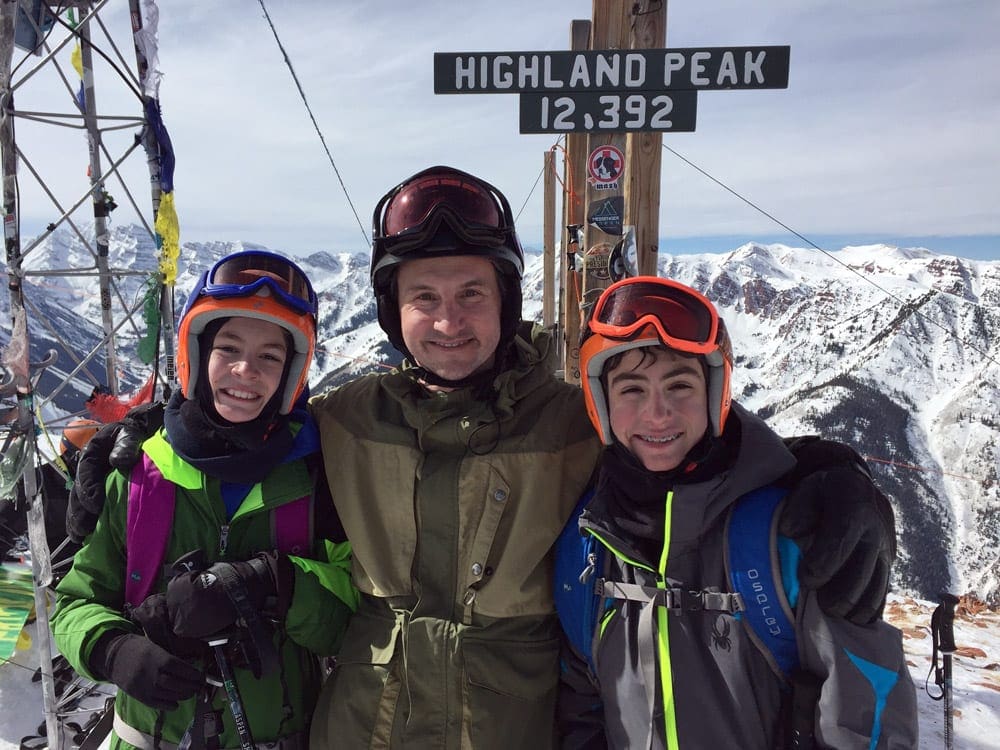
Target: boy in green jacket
[237, 460]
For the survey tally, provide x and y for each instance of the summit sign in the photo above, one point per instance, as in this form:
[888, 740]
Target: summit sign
[611, 70]
[610, 91]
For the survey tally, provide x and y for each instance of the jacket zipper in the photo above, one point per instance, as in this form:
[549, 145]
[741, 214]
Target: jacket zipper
[223, 540]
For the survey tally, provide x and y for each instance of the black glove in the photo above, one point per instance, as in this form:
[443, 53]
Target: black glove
[202, 604]
[845, 528]
[154, 619]
[116, 445]
[144, 670]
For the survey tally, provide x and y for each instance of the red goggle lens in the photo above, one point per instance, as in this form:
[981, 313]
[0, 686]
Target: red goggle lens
[415, 202]
[682, 319]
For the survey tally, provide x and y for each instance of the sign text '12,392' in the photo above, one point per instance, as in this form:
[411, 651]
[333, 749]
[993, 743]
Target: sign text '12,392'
[588, 112]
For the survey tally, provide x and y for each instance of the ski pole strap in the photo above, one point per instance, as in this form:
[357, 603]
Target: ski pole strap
[675, 599]
[942, 641]
[262, 654]
[206, 725]
[946, 624]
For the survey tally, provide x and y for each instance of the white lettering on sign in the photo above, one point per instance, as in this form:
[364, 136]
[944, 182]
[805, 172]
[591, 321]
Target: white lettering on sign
[672, 62]
[607, 71]
[635, 70]
[580, 75]
[696, 66]
[753, 66]
[698, 61]
[727, 70]
[501, 73]
[611, 71]
[465, 74]
[551, 82]
[527, 72]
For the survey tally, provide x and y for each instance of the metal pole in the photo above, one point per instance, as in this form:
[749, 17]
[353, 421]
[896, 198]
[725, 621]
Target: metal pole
[19, 341]
[98, 195]
[232, 693]
[943, 624]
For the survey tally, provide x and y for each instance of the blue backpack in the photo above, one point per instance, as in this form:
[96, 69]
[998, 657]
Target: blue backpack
[761, 566]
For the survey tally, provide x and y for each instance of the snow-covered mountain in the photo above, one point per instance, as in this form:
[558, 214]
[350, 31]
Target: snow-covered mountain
[892, 350]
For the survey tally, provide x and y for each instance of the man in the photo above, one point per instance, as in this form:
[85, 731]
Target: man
[453, 477]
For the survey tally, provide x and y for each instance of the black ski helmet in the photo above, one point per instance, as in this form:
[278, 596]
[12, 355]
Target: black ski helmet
[439, 212]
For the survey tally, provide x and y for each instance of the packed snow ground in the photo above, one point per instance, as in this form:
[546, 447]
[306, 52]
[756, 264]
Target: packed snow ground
[976, 678]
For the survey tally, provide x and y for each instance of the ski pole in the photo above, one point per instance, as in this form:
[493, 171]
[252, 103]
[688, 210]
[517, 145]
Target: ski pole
[232, 692]
[943, 636]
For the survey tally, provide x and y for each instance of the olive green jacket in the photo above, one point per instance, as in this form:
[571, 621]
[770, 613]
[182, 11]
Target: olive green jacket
[452, 506]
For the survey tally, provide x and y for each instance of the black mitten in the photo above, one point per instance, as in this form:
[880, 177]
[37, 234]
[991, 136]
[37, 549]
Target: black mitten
[202, 604]
[137, 426]
[145, 671]
[846, 530]
[86, 498]
[115, 446]
[154, 619]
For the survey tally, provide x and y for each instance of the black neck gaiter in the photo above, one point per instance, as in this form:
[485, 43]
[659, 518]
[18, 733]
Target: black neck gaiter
[242, 453]
[635, 497]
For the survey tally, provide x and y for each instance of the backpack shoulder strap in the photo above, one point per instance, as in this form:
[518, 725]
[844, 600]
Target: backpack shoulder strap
[577, 557]
[761, 568]
[292, 523]
[150, 517]
[291, 526]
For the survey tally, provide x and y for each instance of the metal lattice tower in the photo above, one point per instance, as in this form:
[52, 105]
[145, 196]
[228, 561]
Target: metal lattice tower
[77, 126]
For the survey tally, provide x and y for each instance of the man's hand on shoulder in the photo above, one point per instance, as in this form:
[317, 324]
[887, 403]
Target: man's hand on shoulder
[845, 527]
[116, 445]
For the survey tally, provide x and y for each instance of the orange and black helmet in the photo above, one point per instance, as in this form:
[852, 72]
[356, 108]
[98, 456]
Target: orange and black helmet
[251, 284]
[649, 311]
[76, 434]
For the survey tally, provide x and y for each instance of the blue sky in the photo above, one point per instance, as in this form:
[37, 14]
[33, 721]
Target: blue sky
[885, 133]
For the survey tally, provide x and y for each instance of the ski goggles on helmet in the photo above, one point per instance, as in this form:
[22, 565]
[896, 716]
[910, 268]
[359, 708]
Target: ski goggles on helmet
[684, 319]
[245, 274]
[410, 215]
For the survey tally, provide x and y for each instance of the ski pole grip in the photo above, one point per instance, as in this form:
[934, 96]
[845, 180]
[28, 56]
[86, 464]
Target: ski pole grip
[946, 643]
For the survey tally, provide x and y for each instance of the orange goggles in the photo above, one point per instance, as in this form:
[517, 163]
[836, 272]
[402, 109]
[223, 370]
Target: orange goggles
[684, 319]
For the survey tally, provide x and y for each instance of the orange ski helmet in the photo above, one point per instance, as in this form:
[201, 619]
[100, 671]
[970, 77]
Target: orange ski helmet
[649, 311]
[76, 434]
[251, 284]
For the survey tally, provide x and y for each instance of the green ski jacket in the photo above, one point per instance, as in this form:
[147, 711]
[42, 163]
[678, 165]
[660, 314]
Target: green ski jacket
[91, 598]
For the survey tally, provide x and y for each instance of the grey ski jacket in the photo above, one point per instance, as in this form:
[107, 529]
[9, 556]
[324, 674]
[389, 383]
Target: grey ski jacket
[452, 505]
[695, 679]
